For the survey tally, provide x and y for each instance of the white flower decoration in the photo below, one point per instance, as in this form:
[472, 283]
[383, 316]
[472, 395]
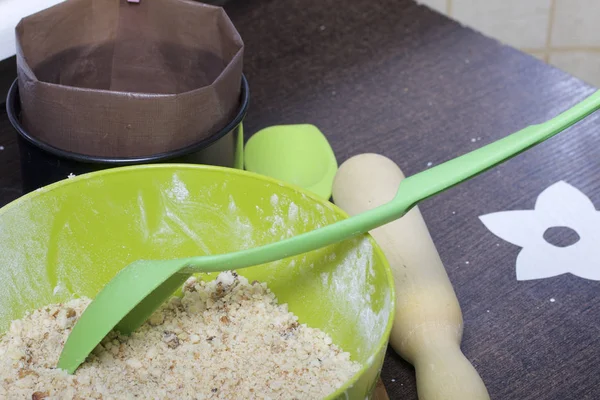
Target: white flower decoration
[560, 205]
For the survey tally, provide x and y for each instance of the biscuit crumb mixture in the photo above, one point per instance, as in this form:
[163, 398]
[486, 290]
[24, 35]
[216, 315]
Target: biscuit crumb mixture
[224, 339]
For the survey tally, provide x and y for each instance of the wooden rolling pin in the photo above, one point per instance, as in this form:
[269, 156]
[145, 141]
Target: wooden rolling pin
[428, 323]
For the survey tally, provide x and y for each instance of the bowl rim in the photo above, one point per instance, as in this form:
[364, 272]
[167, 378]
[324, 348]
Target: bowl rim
[377, 251]
[12, 98]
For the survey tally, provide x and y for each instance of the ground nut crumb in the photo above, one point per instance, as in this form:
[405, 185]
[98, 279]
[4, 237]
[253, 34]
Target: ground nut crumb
[171, 339]
[39, 395]
[224, 339]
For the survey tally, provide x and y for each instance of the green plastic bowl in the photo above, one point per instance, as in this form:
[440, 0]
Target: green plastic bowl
[70, 238]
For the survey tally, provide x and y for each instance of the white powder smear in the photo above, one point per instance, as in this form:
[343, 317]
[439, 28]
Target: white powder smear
[244, 232]
[232, 206]
[286, 214]
[189, 231]
[24, 255]
[274, 200]
[293, 211]
[348, 281]
[59, 290]
[178, 191]
[278, 224]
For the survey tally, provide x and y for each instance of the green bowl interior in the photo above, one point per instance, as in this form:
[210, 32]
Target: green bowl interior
[70, 238]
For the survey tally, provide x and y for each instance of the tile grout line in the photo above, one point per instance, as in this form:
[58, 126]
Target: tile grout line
[582, 49]
[551, 14]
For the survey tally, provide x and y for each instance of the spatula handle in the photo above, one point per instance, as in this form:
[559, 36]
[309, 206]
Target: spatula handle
[428, 322]
[441, 177]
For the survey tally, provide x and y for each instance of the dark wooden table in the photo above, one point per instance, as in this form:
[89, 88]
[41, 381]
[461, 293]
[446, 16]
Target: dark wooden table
[391, 77]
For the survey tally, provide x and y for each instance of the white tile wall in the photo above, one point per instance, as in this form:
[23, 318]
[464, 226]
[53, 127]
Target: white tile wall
[576, 23]
[565, 33]
[439, 5]
[515, 22]
[583, 64]
[11, 12]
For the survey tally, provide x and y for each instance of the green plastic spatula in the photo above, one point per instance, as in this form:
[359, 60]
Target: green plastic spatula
[297, 154]
[141, 287]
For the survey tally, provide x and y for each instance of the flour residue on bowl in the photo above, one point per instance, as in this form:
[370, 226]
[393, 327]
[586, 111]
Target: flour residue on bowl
[244, 231]
[325, 278]
[232, 207]
[281, 224]
[23, 258]
[60, 290]
[349, 279]
[178, 191]
[288, 218]
[293, 211]
[189, 231]
[197, 216]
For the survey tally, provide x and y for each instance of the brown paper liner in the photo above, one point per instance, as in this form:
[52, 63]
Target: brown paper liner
[111, 78]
